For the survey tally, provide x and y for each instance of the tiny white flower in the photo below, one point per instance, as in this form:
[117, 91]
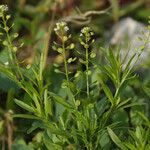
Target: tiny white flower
[6, 8]
[91, 33]
[3, 8]
[66, 28]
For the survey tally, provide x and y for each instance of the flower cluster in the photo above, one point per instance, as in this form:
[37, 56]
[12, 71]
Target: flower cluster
[3, 8]
[87, 32]
[86, 38]
[61, 31]
[61, 28]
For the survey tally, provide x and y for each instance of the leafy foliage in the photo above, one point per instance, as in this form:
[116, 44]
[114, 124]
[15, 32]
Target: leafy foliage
[85, 109]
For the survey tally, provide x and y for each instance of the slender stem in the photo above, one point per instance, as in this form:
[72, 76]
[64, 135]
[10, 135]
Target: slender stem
[65, 62]
[9, 47]
[109, 113]
[87, 69]
[66, 67]
[43, 59]
[13, 59]
[90, 146]
[44, 54]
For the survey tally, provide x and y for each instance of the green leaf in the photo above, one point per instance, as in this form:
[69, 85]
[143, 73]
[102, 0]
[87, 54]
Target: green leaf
[36, 125]
[61, 101]
[50, 145]
[37, 104]
[113, 60]
[28, 87]
[20, 145]
[1, 126]
[10, 96]
[126, 104]
[146, 120]
[47, 104]
[133, 135]
[128, 67]
[107, 92]
[132, 104]
[108, 71]
[6, 83]
[123, 84]
[25, 116]
[9, 74]
[24, 106]
[130, 146]
[116, 140]
[70, 96]
[123, 103]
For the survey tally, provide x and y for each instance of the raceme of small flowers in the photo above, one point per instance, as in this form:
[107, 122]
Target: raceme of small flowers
[3, 9]
[61, 30]
[86, 37]
[61, 26]
[86, 31]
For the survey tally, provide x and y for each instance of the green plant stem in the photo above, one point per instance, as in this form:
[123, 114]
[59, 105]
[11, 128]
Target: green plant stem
[65, 62]
[7, 35]
[46, 48]
[10, 47]
[87, 69]
[66, 67]
[108, 115]
[90, 147]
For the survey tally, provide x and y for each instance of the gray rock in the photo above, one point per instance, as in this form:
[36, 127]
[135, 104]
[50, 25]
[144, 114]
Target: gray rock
[125, 33]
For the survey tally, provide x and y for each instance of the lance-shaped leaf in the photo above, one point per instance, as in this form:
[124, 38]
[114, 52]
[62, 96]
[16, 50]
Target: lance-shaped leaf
[24, 105]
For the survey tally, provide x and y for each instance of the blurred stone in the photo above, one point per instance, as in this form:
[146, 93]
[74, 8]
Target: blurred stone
[125, 34]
